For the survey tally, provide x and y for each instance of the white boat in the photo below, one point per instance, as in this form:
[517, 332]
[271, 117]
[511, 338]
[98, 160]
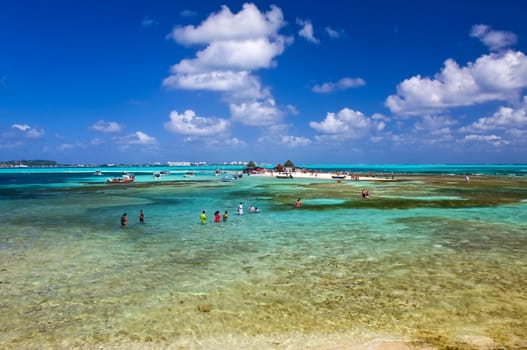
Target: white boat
[229, 178]
[124, 179]
[284, 176]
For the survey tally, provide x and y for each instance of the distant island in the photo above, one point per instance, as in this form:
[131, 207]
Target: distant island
[37, 163]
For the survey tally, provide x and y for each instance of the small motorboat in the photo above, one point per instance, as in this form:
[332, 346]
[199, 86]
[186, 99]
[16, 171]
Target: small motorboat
[284, 176]
[229, 178]
[338, 177]
[124, 179]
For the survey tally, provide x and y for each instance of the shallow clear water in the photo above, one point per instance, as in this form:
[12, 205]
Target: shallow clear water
[429, 260]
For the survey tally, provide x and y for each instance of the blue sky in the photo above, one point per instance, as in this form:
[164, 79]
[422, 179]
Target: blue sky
[133, 81]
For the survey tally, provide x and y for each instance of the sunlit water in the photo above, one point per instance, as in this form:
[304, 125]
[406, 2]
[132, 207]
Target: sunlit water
[430, 260]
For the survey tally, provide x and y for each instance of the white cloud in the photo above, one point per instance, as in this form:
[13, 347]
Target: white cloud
[238, 84]
[306, 31]
[492, 139]
[506, 118]
[347, 123]
[66, 146]
[232, 55]
[104, 126]
[247, 24]
[295, 141]
[21, 127]
[189, 123]
[235, 45]
[332, 33]
[342, 84]
[292, 109]
[137, 138]
[434, 123]
[148, 22]
[232, 142]
[492, 77]
[25, 130]
[256, 113]
[494, 39]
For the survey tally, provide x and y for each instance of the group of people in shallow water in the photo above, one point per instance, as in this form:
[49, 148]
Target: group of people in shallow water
[217, 216]
[124, 218]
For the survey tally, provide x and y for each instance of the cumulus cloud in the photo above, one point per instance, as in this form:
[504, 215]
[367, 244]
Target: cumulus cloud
[256, 113]
[104, 126]
[342, 84]
[232, 142]
[434, 123]
[237, 84]
[235, 45]
[295, 141]
[505, 118]
[491, 139]
[494, 39]
[190, 124]
[137, 138]
[492, 77]
[306, 31]
[247, 24]
[27, 131]
[348, 123]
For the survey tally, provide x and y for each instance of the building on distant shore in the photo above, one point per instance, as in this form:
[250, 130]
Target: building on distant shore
[178, 163]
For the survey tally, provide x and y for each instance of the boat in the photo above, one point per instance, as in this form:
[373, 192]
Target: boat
[97, 172]
[229, 178]
[124, 179]
[284, 176]
[164, 172]
[189, 174]
[338, 177]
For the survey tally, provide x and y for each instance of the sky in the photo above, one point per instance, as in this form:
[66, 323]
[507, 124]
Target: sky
[314, 82]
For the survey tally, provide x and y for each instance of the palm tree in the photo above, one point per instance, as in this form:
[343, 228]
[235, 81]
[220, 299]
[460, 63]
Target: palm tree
[289, 164]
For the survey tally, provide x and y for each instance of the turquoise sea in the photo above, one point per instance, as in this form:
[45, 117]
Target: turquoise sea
[429, 261]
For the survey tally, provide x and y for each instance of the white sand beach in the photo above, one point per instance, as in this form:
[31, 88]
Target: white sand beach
[298, 174]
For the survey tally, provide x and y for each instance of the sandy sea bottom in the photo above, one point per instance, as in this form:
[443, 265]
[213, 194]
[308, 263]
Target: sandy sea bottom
[424, 263]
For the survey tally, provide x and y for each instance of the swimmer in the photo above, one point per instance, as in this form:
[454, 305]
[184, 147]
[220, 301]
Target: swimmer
[217, 216]
[225, 215]
[124, 218]
[298, 203]
[203, 217]
[240, 209]
[141, 217]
